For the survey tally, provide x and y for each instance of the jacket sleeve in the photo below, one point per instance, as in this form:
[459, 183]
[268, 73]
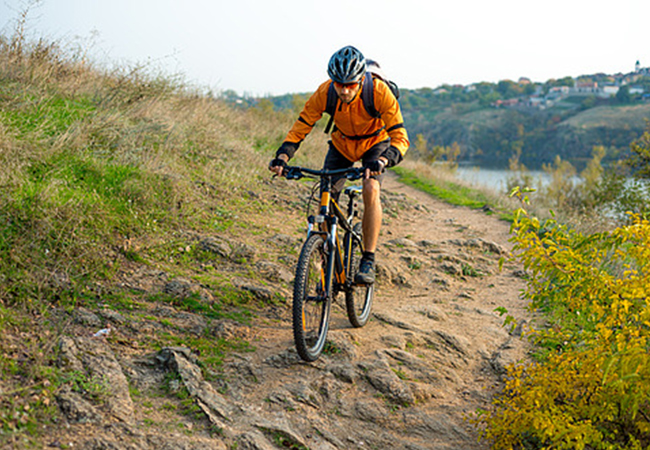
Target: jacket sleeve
[310, 114]
[391, 114]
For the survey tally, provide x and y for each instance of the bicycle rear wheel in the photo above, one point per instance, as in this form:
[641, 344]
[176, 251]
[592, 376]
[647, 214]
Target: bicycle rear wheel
[358, 298]
[311, 304]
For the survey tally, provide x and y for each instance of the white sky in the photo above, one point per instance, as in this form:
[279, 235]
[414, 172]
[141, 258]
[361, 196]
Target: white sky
[266, 47]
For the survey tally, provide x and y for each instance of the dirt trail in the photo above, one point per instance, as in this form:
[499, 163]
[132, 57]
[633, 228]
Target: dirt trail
[432, 353]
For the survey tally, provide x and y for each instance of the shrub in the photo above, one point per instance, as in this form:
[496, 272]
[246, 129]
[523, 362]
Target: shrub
[589, 385]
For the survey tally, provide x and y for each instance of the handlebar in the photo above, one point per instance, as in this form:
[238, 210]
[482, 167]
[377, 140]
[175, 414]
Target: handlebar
[296, 173]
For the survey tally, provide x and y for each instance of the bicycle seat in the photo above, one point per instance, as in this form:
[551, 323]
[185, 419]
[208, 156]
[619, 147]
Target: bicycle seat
[353, 191]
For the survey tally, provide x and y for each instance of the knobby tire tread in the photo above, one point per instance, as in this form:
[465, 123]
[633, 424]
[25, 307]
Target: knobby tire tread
[358, 318]
[300, 292]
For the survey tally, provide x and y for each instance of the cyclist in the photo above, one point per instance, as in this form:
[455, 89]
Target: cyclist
[377, 142]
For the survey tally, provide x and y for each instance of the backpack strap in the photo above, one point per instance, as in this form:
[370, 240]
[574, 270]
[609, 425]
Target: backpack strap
[368, 96]
[330, 106]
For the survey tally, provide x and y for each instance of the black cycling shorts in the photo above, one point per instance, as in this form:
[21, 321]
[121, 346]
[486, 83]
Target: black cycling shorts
[335, 160]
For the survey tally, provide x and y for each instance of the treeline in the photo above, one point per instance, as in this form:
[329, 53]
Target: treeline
[488, 135]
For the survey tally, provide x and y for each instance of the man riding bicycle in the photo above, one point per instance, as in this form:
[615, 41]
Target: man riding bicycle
[377, 142]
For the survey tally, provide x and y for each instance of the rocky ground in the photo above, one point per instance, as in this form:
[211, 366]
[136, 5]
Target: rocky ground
[432, 354]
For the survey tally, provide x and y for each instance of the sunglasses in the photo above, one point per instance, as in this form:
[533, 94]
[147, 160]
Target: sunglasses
[346, 85]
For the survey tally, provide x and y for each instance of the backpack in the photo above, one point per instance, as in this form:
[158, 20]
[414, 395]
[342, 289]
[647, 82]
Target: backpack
[367, 94]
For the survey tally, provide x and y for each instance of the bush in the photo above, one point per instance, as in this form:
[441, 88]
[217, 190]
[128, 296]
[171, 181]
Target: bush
[589, 385]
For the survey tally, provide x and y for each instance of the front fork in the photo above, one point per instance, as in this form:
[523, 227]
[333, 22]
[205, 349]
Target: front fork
[334, 266]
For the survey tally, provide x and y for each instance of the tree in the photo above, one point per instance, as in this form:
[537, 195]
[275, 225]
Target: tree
[639, 161]
[623, 95]
[559, 190]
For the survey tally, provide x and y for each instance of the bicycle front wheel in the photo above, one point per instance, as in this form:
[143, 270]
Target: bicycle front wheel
[358, 298]
[311, 302]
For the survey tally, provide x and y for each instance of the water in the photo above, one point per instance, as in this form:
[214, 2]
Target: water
[497, 179]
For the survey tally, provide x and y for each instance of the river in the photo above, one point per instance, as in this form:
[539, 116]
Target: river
[497, 179]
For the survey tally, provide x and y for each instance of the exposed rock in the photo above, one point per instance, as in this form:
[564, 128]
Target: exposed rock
[82, 316]
[503, 357]
[421, 370]
[158, 442]
[92, 358]
[259, 292]
[451, 342]
[401, 243]
[381, 377]
[182, 288]
[368, 411]
[432, 313]
[100, 363]
[274, 272]
[283, 240]
[345, 372]
[284, 359]
[254, 440]
[341, 345]
[112, 316]
[279, 428]
[217, 408]
[393, 340]
[76, 409]
[303, 393]
[480, 244]
[243, 253]
[214, 245]
[395, 322]
[428, 245]
[229, 329]
[451, 268]
[391, 275]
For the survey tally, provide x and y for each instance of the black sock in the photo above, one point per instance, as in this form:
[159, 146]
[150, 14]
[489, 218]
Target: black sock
[369, 256]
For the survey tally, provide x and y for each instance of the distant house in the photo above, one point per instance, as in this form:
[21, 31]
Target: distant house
[588, 88]
[537, 102]
[558, 91]
[592, 88]
[524, 80]
[610, 90]
[506, 103]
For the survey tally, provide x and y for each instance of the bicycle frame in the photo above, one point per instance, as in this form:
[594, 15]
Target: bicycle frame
[330, 217]
[324, 267]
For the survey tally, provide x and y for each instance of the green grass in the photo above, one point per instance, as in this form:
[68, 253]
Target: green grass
[452, 193]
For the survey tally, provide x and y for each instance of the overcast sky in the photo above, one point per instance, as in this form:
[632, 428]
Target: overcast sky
[266, 47]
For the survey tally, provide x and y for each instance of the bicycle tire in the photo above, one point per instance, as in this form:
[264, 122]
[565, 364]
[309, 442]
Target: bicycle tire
[311, 304]
[358, 299]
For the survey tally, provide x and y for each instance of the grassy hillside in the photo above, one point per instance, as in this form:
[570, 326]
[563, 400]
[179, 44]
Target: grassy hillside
[104, 174]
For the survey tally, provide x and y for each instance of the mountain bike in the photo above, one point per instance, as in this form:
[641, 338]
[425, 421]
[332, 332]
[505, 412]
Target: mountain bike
[327, 264]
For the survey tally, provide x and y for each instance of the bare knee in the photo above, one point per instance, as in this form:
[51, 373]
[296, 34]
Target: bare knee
[371, 190]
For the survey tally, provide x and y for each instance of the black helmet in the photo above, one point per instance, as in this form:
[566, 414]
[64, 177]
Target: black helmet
[347, 65]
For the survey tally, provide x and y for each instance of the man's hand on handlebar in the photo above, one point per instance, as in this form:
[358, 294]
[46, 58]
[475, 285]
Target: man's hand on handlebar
[374, 168]
[279, 164]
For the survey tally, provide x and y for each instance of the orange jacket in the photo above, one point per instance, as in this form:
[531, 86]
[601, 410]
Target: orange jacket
[352, 119]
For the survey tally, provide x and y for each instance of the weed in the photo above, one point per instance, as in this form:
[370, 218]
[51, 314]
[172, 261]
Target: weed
[469, 271]
[415, 265]
[91, 386]
[331, 348]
